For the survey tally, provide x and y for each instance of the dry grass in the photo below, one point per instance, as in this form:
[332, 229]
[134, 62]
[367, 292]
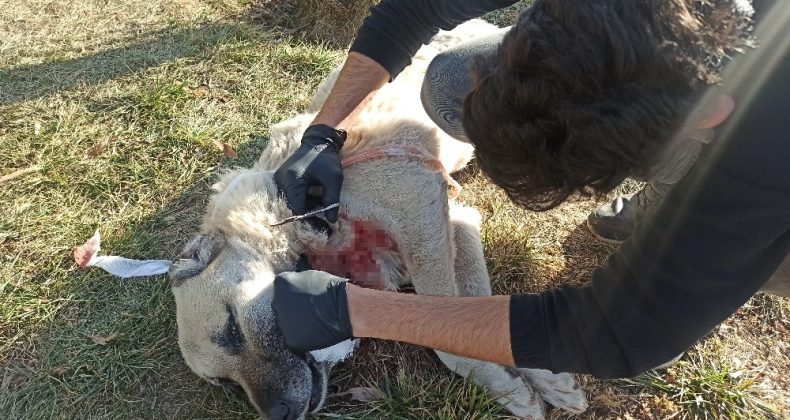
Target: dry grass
[108, 113]
[333, 22]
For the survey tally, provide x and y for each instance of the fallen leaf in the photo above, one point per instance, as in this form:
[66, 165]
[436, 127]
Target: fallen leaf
[60, 371]
[361, 394]
[665, 404]
[200, 91]
[226, 150]
[103, 340]
[97, 149]
[18, 381]
[222, 95]
[608, 399]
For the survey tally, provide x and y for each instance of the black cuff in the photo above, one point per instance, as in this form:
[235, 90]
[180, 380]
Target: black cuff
[336, 137]
[343, 317]
[371, 46]
[529, 337]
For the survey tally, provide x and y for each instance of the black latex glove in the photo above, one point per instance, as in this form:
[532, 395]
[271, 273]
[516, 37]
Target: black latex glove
[311, 309]
[315, 163]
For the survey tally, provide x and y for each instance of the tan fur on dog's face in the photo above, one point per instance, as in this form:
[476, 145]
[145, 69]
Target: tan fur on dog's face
[226, 328]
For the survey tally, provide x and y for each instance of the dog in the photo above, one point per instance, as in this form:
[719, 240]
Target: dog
[222, 280]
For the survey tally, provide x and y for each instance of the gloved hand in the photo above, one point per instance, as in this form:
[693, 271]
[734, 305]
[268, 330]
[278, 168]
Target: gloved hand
[315, 163]
[311, 309]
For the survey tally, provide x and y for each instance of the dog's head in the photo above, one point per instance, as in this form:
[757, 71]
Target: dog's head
[222, 284]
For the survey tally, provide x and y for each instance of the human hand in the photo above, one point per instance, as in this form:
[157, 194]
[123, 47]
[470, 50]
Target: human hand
[315, 163]
[311, 308]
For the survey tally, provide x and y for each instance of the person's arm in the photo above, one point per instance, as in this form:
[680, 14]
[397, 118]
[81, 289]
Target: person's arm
[315, 310]
[475, 327]
[358, 81]
[395, 29]
[387, 40]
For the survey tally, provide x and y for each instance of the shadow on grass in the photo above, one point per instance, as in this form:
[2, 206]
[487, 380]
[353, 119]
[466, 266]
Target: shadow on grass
[36, 81]
[583, 253]
[116, 340]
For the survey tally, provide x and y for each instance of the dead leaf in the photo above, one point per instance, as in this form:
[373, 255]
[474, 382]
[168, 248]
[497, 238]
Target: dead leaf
[18, 381]
[97, 149]
[222, 95]
[200, 91]
[608, 399]
[361, 394]
[103, 340]
[226, 150]
[60, 371]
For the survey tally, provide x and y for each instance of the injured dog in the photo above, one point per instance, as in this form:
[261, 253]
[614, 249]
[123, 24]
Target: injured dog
[396, 192]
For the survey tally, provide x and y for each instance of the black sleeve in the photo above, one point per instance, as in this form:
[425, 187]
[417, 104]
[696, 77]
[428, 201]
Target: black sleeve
[715, 240]
[396, 29]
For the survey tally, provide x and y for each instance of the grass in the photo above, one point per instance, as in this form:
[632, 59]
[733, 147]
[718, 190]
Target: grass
[704, 387]
[328, 21]
[108, 116]
[433, 396]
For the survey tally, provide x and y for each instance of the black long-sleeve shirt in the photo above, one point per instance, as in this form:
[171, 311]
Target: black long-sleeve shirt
[717, 237]
[396, 29]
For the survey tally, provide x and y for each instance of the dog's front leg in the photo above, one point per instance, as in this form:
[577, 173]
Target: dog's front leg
[471, 276]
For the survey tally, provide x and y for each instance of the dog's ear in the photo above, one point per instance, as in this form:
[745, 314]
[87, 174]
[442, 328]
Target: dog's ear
[195, 256]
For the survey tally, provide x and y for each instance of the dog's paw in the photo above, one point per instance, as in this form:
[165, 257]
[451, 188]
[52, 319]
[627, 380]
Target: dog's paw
[511, 391]
[518, 397]
[558, 389]
[505, 385]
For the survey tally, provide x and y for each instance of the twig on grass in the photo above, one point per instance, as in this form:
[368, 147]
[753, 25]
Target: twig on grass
[18, 173]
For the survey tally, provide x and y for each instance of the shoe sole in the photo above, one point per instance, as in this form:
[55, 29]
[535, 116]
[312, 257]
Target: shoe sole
[601, 238]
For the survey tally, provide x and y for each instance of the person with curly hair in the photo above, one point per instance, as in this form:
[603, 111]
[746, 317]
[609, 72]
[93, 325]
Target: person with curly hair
[573, 99]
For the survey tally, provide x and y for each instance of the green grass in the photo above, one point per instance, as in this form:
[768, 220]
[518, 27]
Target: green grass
[437, 396]
[414, 385]
[706, 387]
[113, 107]
[122, 138]
[434, 398]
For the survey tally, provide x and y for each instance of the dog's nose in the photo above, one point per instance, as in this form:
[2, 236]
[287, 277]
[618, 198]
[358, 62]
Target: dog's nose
[281, 411]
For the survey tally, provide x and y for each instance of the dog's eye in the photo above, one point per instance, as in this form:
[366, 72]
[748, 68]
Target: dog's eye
[230, 338]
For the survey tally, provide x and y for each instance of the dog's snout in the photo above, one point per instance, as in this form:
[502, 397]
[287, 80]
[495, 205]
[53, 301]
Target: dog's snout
[281, 410]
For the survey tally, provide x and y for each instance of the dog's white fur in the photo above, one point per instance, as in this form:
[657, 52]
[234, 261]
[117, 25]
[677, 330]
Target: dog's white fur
[439, 247]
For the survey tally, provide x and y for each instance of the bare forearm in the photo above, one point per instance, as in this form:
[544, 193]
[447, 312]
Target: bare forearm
[475, 327]
[358, 81]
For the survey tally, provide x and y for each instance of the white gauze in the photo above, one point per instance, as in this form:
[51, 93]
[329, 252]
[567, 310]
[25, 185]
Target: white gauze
[87, 255]
[335, 354]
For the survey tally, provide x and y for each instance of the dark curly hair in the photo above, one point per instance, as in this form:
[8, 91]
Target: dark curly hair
[581, 94]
